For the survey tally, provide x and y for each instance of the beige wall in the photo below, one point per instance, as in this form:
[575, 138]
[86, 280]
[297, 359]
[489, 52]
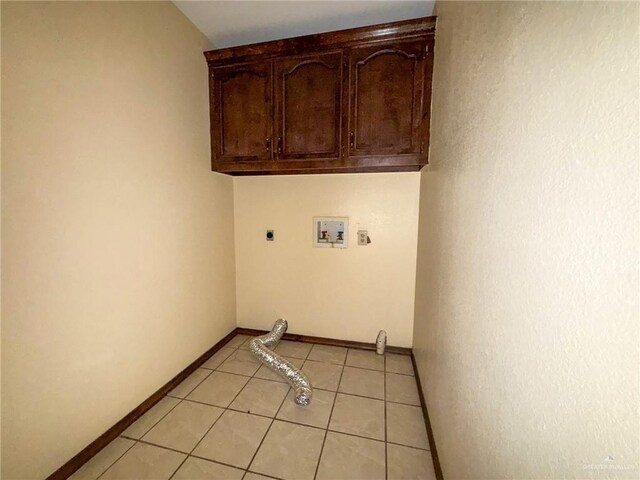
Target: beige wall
[526, 330]
[339, 293]
[117, 240]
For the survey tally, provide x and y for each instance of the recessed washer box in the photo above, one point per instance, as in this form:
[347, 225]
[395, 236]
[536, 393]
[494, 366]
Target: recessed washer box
[331, 232]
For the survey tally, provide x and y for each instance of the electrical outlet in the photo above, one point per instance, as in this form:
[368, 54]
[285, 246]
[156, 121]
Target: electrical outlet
[363, 237]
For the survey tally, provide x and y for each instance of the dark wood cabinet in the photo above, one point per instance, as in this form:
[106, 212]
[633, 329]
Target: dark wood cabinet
[386, 89]
[241, 118]
[308, 115]
[350, 101]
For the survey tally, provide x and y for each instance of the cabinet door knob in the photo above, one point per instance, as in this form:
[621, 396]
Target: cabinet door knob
[268, 144]
[279, 145]
[351, 139]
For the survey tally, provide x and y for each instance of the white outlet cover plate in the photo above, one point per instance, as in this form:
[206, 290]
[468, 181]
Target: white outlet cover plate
[331, 232]
[363, 235]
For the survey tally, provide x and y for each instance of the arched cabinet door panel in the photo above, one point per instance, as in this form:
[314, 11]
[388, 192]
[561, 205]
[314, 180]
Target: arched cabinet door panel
[386, 87]
[308, 106]
[241, 112]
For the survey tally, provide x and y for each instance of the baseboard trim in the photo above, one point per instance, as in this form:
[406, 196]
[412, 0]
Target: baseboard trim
[327, 341]
[103, 440]
[425, 414]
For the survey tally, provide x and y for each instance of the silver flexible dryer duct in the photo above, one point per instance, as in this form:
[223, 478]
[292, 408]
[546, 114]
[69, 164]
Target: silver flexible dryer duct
[261, 348]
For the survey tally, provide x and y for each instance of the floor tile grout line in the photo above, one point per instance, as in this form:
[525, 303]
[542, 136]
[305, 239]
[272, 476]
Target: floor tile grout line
[179, 466]
[139, 440]
[331, 346]
[218, 462]
[199, 457]
[313, 426]
[207, 404]
[234, 409]
[247, 472]
[324, 440]
[176, 406]
[343, 364]
[213, 424]
[409, 446]
[234, 373]
[405, 404]
[376, 440]
[298, 423]
[315, 388]
[379, 399]
[408, 356]
[400, 373]
[180, 400]
[146, 442]
[196, 445]
[361, 396]
[274, 418]
[111, 464]
[161, 418]
[268, 429]
[199, 383]
[216, 420]
[229, 409]
[223, 360]
[364, 368]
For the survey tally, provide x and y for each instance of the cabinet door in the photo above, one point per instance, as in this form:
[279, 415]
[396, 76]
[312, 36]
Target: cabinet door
[386, 95]
[241, 120]
[309, 106]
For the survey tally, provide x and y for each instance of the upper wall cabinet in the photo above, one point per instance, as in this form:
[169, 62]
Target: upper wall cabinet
[386, 93]
[350, 101]
[241, 118]
[308, 111]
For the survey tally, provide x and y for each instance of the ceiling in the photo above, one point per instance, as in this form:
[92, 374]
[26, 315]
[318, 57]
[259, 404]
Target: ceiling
[231, 23]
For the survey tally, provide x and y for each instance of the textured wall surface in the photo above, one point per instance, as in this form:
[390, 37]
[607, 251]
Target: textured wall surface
[526, 330]
[349, 294]
[117, 240]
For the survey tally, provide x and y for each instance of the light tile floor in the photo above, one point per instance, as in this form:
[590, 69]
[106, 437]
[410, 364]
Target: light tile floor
[235, 419]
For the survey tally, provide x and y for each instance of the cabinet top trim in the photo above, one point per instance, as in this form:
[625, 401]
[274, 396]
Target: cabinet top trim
[340, 38]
